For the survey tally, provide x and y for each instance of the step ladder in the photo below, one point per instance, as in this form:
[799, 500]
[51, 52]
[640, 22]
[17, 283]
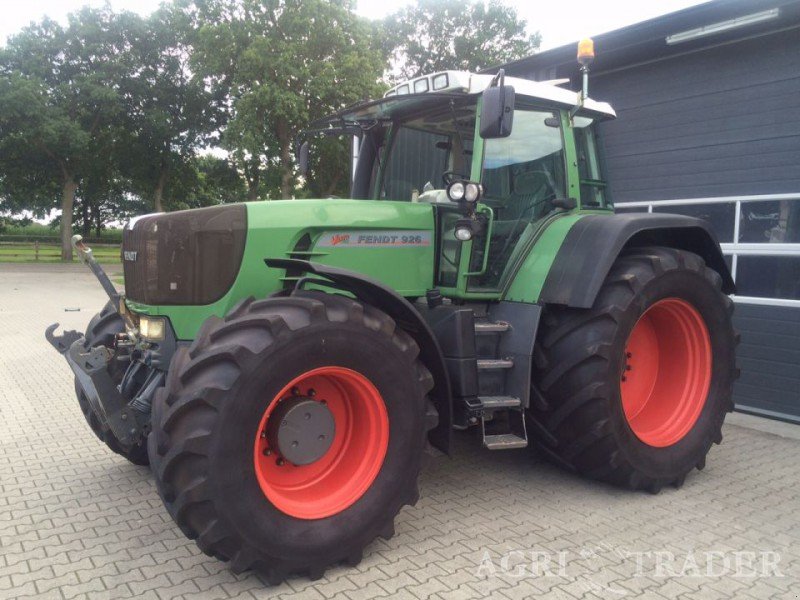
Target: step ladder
[502, 416]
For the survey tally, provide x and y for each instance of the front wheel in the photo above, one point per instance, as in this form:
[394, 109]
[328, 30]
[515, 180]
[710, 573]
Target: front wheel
[634, 391]
[291, 433]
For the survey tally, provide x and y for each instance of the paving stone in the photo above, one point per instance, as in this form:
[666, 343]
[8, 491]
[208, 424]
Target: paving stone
[77, 521]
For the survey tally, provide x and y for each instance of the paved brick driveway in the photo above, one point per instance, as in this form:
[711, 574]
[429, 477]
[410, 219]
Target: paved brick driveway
[79, 522]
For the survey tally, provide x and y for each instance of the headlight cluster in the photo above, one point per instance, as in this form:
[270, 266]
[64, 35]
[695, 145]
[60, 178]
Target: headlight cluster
[152, 328]
[468, 191]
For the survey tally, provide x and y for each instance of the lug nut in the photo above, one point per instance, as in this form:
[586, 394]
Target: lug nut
[312, 392]
[624, 378]
[267, 452]
[279, 462]
[295, 391]
[628, 354]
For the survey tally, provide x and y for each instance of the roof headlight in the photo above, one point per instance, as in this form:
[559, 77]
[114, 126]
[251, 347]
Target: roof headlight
[421, 85]
[440, 81]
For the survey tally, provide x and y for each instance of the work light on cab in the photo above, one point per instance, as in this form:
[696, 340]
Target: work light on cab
[455, 191]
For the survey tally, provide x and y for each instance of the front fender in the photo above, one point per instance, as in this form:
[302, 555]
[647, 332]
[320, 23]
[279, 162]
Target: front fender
[375, 293]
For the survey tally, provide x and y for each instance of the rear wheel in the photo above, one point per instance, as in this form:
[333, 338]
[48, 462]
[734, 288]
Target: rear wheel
[291, 433]
[101, 331]
[634, 391]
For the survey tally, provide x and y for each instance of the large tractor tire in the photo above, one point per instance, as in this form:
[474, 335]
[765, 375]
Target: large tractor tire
[291, 433]
[101, 331]
[634, 390]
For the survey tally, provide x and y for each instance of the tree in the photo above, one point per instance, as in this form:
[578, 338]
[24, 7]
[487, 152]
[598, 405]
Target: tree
[282, 63]
[217, 182]
[168, 111]
[59, 93]
[437, 35]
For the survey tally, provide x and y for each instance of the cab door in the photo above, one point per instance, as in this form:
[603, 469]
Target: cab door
[522, 175]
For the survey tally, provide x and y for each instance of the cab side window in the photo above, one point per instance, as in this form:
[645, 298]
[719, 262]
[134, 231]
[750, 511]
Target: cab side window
[416, 158]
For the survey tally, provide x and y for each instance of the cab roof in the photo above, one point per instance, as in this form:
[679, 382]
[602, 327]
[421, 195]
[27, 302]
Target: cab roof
[462, 87]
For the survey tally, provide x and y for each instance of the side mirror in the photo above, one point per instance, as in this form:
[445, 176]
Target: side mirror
[497, 111]
[302, 159]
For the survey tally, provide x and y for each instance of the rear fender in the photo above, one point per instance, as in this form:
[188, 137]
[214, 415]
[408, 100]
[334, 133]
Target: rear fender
[594, 242]
[374, 293]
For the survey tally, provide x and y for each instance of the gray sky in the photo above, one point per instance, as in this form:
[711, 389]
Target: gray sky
[560, 22]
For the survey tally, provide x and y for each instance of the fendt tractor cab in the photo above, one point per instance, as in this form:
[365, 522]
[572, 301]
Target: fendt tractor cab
[281, 365]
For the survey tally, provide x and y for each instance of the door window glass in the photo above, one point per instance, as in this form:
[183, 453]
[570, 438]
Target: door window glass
[522, 175]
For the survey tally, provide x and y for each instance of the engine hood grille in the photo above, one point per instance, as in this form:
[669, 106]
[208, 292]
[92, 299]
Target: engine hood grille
[188, 257]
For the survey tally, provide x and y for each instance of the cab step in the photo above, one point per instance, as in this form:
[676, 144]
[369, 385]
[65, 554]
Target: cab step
[503, 428]
[486, 364]
[499, 402]
[486, 327]
[504, 441]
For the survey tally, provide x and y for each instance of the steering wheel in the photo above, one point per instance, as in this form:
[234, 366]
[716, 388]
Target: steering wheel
[449, 177]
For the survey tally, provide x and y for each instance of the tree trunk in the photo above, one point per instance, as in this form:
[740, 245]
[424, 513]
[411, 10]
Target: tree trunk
[158, 193]
[97, 219]
[252, 174]
[67, 203]
[287, 175]
[86, 225]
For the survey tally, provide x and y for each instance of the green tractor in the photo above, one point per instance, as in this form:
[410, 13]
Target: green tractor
[283, 365]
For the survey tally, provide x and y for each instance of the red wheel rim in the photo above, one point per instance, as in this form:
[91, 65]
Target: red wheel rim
[667, 372]
[345, 472]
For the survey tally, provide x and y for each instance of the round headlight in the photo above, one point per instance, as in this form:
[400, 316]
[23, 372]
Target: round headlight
[472, 192]
[456, 191]
[463, 234]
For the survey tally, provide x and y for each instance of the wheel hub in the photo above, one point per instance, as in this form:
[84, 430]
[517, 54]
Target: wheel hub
[301, 430]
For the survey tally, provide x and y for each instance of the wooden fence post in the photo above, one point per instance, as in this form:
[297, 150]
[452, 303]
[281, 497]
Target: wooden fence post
[36, 250]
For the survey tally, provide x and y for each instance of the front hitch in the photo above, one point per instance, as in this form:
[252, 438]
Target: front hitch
[61, 342]
[128, 421]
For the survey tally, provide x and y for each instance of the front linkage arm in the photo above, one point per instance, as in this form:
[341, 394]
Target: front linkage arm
[85, 255]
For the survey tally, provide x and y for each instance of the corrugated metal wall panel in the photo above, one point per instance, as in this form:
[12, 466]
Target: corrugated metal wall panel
[722, 122]
[769, 357]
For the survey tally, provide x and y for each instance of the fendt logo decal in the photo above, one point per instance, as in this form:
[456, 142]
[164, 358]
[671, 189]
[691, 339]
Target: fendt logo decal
[375, 239]
[339, 238]
[130, 255]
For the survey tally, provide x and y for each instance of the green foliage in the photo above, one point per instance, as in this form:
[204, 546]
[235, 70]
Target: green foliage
[168, 111]
[437, 35]
[109, 115]
[284, 63]
[60, 106]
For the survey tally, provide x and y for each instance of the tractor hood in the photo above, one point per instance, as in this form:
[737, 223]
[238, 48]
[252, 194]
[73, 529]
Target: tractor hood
[188, 265]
